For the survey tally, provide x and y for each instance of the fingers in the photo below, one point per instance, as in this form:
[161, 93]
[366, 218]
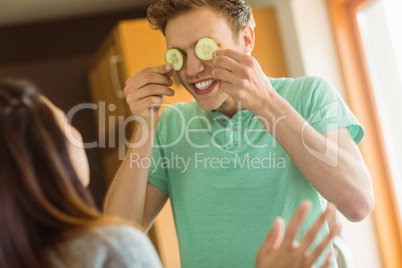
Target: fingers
[275, 247]
[224, 68]
[274, 237]
[230, 66]
[152, 75]
[240, 74]
[222, 61]
[231, 53]
[147, 87]
[313, 232]
[143, 107]
[296, 223]
[315, 228]
[335, 229]
[328, 260]
[152, 90]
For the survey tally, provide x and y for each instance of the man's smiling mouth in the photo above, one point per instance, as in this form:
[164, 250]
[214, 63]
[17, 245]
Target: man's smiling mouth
[204, 85]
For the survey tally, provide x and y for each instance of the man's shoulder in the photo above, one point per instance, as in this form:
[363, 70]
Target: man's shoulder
[301, 88]
[298, 82]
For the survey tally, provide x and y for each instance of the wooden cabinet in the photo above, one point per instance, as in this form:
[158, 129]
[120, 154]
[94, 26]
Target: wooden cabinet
[130, 47]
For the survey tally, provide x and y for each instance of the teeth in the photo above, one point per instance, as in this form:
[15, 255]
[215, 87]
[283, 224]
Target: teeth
[204, 85]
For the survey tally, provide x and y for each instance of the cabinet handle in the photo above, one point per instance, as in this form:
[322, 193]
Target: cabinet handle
[114, 76]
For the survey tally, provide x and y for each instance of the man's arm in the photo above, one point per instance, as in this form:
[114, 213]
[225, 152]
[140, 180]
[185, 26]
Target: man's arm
[330, 162]
[130, 196]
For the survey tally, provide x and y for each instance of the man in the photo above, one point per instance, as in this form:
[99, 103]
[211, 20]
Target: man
[249, 149]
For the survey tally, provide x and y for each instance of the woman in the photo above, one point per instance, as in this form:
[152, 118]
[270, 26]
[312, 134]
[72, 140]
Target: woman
[48, 218]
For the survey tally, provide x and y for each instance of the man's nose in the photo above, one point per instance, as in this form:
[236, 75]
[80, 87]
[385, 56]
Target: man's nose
[193, 65]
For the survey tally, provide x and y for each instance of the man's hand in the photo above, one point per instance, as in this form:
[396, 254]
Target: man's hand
[144, 91]
[242, 78]
[283, 250]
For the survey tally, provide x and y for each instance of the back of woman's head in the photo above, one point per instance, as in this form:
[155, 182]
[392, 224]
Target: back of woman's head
[41, 197]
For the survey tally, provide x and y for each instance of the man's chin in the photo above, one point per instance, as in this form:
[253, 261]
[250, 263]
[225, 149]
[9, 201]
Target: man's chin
[212, 102]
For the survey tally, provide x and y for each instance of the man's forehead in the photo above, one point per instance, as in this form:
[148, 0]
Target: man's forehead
[195, 17]
[188, 28]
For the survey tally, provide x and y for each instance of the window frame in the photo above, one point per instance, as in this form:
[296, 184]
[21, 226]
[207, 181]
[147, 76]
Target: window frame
[361, 100]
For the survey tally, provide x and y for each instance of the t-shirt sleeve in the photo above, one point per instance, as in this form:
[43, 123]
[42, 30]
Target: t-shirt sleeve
[325, 110]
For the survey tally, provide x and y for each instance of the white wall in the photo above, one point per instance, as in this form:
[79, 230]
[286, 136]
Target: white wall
[310, 50]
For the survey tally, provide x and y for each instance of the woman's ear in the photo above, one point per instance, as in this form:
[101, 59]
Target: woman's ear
[247, 39]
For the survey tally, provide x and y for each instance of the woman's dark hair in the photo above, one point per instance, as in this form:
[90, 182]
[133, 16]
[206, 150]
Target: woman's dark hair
[42, 200]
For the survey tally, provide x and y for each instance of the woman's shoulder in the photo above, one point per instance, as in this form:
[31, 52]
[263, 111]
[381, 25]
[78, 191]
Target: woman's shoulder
[115, 231]
[109, 246]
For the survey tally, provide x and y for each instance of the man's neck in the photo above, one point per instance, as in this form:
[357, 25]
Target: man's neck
[230, 108]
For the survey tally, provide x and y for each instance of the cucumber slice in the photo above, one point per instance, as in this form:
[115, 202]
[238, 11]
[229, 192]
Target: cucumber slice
[205, 47]
[174, 57]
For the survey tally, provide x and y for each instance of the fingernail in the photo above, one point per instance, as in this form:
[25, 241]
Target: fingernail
[214, 53]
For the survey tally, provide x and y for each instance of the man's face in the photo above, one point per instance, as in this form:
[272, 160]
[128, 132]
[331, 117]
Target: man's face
[183, 32]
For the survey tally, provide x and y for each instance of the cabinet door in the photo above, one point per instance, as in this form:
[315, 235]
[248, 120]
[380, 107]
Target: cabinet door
[106, 90]
[142, 47]
[268, 48]
[131, 47]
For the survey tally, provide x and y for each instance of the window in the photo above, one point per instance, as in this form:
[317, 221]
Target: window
[368, 41]
[379, 41]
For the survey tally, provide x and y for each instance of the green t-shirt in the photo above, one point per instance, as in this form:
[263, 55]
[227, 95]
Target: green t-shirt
[228, 179]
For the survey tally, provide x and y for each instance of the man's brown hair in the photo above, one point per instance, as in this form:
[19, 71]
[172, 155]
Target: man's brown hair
[237, 12]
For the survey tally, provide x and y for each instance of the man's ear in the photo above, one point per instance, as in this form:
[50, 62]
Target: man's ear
[247, 39]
